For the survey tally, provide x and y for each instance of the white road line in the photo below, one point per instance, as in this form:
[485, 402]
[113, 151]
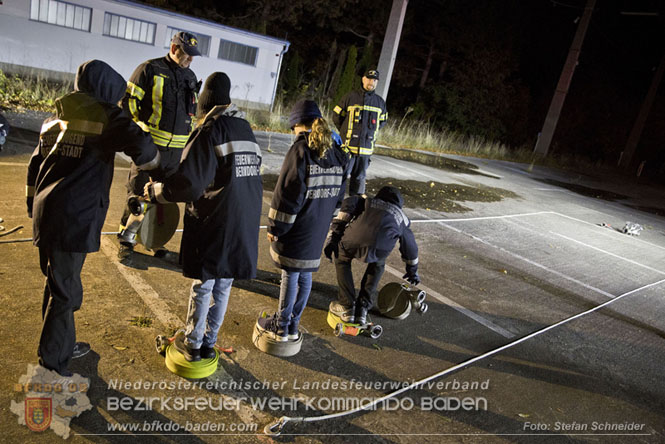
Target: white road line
[454, 305]
[151, 298]
[529, 261]
[608, 253]
[479, 218]
[606, 230]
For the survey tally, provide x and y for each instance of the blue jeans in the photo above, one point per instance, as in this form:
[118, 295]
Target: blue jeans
[204, 320]
[293, 295]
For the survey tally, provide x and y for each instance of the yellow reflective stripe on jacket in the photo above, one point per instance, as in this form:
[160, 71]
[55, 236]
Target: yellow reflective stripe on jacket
[29, 191]
[134, 111]
[157, 96]
[361, 150]
[162, 138]
[135, 91]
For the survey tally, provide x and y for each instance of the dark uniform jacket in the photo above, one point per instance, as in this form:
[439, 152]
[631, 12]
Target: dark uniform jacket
[306, 195]
[359, 116]
[220, 176]
[370, 227]
[71, 170]
[161, 97]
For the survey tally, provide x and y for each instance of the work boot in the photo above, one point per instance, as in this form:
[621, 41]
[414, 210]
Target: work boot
[208, 352]
[80, 349]
[125, 252]
[269, 326]
[344, 312]
[361, 314]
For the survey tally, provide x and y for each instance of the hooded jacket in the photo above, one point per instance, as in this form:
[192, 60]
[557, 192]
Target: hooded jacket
[70, 172]
[369, 228]
[220, 176]
[306, 194]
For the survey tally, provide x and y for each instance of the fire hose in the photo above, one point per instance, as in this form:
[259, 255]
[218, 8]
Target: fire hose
[275, 428]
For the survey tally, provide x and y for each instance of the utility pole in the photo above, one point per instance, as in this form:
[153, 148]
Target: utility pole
[627, 155]
[543, 143]
[390, 45]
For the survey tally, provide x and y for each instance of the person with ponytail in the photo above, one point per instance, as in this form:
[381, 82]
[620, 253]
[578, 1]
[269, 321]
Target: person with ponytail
[310, 186]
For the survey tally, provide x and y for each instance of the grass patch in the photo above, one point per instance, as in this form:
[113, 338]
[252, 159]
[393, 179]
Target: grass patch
[24, 92]
[141, 321]
[27, 93]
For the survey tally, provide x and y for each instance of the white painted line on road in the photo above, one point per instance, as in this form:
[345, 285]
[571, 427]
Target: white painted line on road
[608, 231]
[151, 298]
[454, 305]
[529, 261]
[608, 253]
[478, 218]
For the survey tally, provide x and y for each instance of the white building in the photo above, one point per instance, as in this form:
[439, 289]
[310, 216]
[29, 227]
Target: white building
[52, 38]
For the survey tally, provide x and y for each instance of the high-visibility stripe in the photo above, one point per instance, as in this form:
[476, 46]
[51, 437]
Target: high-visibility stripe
[49, 125]
[86, 126]
[157, 95]
[134, 90]
[361, 150]
[237, 146]
[154, 163]
[134, 111]
[294, 263]
[315, 181]
[29, 191]
[281, 216]
[342, 215]
[411, 262]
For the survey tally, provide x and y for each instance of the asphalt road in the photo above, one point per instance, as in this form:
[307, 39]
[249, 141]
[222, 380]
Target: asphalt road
[518, 250]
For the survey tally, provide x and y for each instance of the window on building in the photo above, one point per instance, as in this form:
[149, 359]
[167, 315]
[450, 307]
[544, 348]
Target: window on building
[237, 52]
[204, 40]
[129, 28]
[61, 13]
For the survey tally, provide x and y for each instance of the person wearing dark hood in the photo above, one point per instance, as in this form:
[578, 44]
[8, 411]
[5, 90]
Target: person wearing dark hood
[161, 97]
[220, 178]
[308, 190]
[68, 183]
[359, 116]
[368, 229]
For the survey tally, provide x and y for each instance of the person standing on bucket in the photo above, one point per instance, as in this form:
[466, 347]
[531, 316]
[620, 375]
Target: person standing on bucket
[219, 176]
[367, 229]
[359, 116]
[309, 188]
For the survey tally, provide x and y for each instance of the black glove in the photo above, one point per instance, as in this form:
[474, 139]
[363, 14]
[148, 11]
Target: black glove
[411, 275]
[28, 201]
[332, 247]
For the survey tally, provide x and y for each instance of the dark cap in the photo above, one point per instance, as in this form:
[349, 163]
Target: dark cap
[372, 74]
[188, 42]
[304, 111]
[215, 92]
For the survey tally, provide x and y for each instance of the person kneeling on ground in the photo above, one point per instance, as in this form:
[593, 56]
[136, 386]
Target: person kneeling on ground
[219, 176]
[367, 229]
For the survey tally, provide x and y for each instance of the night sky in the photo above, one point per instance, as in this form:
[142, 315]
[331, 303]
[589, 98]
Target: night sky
[493, 64]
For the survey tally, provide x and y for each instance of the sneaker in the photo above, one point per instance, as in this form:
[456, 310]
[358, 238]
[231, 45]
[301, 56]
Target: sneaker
[293, 333]
[208, 352]
[268, 325]
[344, 312]
[80, 349]
[191, 354]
